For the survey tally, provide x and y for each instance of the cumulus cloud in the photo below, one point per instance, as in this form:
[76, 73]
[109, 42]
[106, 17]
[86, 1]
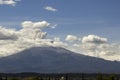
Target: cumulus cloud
[36, 25]
[31, 35]
[8, 2]
[49, 8]
[7, 34]
[27, 24]
[34, 29]
[71, 38]
[94, 39]
[93, 45]
[106, 50]
[12, 41]
[58, 43]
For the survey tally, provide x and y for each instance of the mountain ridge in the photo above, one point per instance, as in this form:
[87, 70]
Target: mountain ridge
[55, 60]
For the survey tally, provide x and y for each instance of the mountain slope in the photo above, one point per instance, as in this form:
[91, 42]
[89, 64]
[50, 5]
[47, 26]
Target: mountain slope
[55, 60]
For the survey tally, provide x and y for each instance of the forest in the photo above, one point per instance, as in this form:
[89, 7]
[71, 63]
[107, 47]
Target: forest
[58, 76]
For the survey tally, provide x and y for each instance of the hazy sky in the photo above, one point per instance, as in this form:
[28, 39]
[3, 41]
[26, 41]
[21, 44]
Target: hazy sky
[76, 22]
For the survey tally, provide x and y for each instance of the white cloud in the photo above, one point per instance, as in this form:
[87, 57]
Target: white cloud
[31, 35]
[12, 41]
[94, 39]
[7, 34]
[53, 26]
[27, 24]
[42, 24]
[71, 38]
[96, 46]
[58, 43]
[49, 8]
[106, 51]
[8, 2]
[32, 30]
[56, 39]
[36, 25]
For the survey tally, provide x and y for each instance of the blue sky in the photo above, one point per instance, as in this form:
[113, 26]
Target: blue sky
[84, 26]
[79, 17]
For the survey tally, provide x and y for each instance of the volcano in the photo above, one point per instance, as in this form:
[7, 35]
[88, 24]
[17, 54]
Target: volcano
[55, 60]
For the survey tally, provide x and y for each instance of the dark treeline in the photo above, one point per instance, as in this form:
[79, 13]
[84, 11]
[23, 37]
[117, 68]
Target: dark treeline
[58, 76]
